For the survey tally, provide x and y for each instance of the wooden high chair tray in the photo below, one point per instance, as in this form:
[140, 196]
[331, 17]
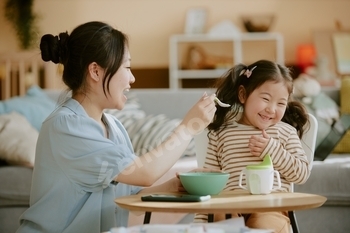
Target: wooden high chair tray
[226, 202]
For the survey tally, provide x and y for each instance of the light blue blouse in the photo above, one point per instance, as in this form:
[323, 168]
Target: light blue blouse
[74, 167]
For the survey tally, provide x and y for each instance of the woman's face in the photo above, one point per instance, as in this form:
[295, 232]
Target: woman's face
[266, 105]
[120, 83]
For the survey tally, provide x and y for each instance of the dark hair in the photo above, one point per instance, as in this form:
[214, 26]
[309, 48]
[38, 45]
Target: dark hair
[90, 42]
[262, 71]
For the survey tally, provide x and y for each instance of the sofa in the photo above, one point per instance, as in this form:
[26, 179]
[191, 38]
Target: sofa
[20, 122]
[165, 108]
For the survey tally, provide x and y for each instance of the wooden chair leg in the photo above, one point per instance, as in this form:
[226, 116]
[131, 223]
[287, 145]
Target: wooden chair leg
[147, 218]
[293, 221]
[210, 217]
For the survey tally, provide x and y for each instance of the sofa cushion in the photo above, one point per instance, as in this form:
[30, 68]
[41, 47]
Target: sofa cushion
[146, 131]
[17, 139]
[330, 178]
[149, 132]
[35, 106]
[15, 185]
[326, 112]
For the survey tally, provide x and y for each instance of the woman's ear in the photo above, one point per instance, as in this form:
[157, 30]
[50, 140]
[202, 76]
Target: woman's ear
[241, 94]
[95, 71]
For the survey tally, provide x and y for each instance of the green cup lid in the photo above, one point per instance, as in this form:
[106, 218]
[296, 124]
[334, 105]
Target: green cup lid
[265, 164]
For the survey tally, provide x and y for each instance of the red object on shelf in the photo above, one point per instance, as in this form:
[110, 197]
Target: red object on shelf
[306, 54]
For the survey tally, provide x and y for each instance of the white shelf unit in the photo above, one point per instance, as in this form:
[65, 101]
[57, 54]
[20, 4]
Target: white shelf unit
[176, 74]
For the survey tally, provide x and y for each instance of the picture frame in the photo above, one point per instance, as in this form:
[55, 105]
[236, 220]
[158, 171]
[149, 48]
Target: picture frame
[196, 19]
[341, 48]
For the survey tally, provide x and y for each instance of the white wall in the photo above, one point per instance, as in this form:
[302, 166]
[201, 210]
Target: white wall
[149, 23]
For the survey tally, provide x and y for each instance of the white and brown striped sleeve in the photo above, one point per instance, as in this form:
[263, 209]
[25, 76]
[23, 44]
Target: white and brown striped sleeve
[288, 156]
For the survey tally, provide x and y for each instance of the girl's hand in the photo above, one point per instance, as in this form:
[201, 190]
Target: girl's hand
[257, 143]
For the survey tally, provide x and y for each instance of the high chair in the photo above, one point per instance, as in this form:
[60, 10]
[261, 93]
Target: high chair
[308, 142]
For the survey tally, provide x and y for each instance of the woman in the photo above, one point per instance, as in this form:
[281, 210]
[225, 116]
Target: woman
[84, 157]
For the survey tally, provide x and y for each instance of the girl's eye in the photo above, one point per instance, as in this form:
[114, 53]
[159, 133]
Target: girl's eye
[266, 99]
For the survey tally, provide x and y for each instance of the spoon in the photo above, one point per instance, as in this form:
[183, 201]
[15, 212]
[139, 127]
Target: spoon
[221, 103]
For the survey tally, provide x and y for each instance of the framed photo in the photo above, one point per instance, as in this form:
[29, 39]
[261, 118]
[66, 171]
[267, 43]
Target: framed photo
[341, 47]
[196, 19]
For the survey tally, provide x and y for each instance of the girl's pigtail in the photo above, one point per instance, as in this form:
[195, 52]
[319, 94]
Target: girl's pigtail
[227, 92]
[296, 115]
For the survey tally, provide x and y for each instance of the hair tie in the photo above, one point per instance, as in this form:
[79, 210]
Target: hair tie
[62, 46]
[247, 72]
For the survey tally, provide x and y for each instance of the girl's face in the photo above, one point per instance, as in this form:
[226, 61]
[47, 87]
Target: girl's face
[120, 83]
[265, 106]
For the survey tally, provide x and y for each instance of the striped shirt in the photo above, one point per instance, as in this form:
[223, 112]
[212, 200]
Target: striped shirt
[228, 151]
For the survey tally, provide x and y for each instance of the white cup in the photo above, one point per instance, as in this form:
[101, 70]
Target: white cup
[259, 181]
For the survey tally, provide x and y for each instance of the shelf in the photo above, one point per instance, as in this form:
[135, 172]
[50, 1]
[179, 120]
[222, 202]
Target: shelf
[214, 38]
[194, 74]
[176, 74]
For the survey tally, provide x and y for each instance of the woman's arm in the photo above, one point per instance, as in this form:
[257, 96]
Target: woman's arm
[148, 168]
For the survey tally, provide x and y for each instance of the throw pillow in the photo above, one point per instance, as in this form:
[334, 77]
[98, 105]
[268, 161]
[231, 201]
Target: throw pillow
[17, 139]
[35, 106]
[326, 112]
[325, 107]
[146, 131]
[149, 132]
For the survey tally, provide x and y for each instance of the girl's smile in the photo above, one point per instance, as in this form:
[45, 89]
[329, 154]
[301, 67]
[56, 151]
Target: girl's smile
[266, 105]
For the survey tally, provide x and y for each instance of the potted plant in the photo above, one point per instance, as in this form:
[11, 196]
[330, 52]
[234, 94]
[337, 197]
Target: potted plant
[20, 14]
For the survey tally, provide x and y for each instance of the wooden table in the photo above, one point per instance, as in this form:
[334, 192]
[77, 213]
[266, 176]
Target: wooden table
[226, 202]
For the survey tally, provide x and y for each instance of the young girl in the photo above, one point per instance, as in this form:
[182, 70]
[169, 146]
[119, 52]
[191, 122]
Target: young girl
[263, 120]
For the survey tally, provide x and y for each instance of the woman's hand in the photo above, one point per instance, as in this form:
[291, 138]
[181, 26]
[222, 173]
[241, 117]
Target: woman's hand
[200, 115]
[257, 143]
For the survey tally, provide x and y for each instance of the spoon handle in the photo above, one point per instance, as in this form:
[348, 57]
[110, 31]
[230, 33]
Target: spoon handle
[221, 103]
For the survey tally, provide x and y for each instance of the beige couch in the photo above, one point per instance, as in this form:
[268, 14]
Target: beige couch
[328, 178]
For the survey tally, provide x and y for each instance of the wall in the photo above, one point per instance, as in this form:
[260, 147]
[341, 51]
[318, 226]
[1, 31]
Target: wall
[149, 23]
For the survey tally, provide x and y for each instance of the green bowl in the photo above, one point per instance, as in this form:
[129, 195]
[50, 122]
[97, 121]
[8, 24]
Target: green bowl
[204, 183]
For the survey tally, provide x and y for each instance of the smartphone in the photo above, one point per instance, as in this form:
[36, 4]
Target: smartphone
[175, 198]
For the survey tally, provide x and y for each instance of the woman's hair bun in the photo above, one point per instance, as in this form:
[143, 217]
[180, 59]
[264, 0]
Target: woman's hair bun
[54, 48]
[62, 43]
